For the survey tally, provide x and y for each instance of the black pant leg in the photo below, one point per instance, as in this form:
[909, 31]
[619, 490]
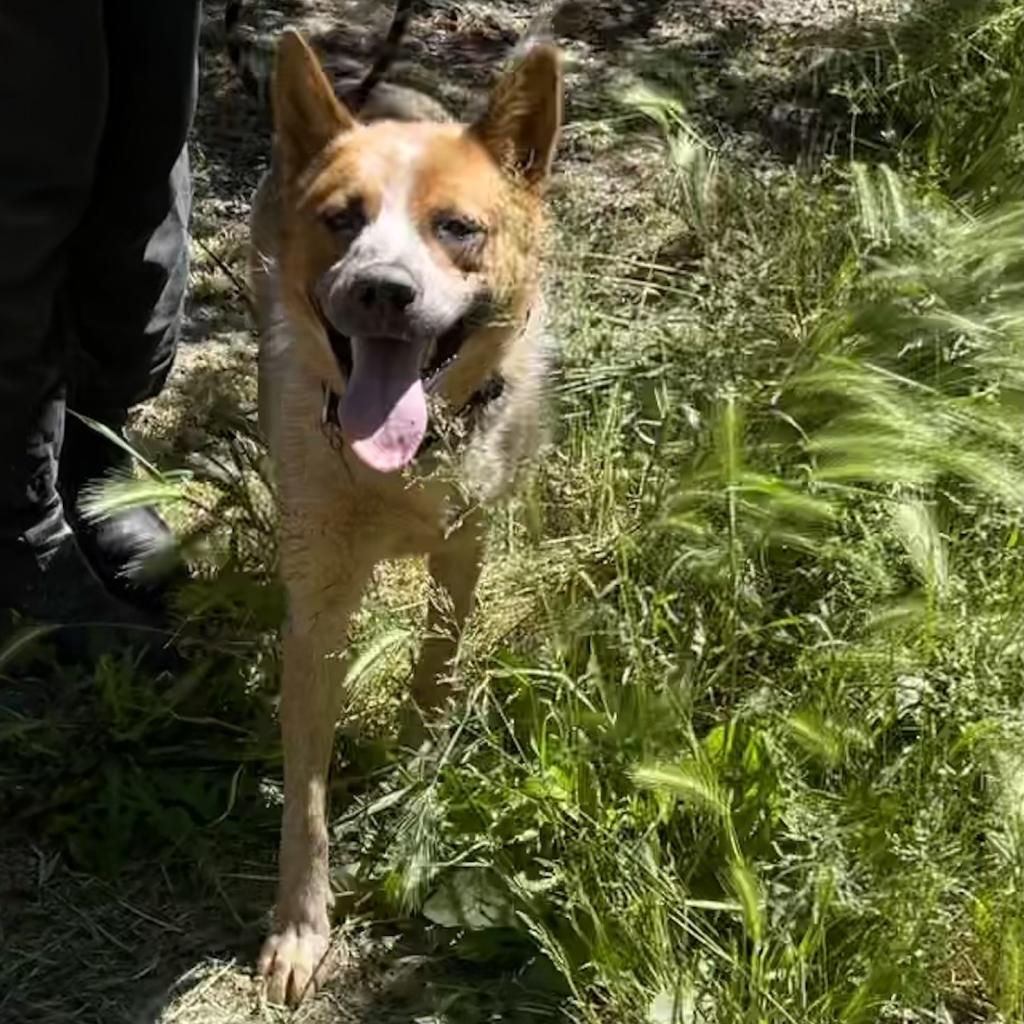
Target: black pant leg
[130, 260]
[53, 95]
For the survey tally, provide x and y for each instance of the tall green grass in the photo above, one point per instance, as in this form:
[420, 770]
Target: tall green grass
[757, 756]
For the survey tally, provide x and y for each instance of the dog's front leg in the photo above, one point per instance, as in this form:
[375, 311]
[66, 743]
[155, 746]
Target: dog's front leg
[455, 569]
[293, 956]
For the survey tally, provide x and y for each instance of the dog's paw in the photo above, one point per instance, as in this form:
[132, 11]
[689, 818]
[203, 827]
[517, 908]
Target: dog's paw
[293, 961]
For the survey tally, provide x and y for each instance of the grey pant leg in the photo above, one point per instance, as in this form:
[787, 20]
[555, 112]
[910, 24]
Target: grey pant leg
[129, 260]
[53, 95]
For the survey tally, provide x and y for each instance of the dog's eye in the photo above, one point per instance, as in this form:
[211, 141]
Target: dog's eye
[348, 220]
[459, 230]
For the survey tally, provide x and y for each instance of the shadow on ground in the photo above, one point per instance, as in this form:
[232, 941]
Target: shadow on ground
[78, 948]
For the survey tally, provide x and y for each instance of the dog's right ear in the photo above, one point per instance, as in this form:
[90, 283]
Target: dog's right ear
[307, 114]
[524, 116]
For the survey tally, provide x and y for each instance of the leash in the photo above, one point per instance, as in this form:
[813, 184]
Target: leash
[256, 82]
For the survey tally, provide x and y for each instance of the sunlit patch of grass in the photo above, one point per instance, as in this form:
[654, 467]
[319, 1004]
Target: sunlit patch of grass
[742, 765]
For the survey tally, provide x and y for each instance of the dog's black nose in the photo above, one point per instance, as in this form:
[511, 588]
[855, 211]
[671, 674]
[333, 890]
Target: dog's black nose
[386, 290]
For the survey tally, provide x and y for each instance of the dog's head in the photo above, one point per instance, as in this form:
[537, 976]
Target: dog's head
[405, 245]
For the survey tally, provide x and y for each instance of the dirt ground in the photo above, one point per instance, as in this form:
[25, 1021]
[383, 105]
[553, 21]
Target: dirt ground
[145, 948]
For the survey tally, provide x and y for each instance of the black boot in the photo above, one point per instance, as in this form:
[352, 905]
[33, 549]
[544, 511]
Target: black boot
[48, 581]
[132, 551]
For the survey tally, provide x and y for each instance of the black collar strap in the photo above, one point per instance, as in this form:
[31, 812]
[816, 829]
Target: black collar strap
[330, 421]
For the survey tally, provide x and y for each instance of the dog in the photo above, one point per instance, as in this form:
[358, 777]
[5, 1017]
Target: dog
[403, 368]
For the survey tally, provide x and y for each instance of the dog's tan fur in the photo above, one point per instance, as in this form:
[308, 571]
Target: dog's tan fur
[339, 517]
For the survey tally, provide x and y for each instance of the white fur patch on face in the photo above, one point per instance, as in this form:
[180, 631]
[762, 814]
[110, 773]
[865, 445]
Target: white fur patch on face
[394, 239]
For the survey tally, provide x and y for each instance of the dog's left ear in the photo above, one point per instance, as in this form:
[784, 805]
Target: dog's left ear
[523, 118]
[307, 114]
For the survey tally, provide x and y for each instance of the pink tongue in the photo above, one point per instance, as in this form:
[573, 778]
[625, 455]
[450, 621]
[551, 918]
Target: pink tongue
[384, 410]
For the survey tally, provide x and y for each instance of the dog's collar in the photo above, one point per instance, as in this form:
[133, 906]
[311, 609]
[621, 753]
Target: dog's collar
[466, 417]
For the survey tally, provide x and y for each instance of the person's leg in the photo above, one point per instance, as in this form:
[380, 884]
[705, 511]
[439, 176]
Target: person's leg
[53, 94]
[129, 263]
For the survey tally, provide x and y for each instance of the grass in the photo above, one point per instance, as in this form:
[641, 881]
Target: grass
[740, 735]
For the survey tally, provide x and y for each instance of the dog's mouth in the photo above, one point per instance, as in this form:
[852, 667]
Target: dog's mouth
[440, 353]
[383, 412]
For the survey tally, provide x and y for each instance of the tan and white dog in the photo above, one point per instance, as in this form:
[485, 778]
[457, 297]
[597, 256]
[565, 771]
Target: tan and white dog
[403, 364]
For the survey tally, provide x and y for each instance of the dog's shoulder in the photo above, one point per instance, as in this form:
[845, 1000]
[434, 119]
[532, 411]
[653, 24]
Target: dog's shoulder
[519, 425]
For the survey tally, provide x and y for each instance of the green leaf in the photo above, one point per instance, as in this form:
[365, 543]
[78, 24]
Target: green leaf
[115, 438]
[118, 494]
[817, 736]
[694, 783]
[744, 884]
[470, 898]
